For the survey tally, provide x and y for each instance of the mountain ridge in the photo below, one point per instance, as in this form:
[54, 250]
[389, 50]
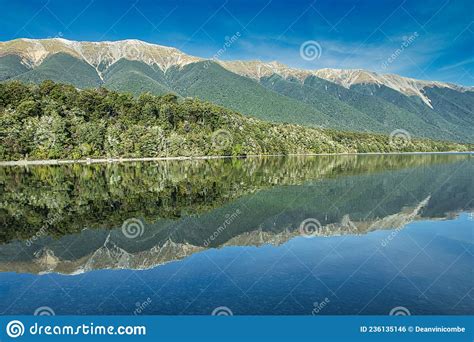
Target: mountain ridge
[133, 49]
[113, 252]
[350, 99]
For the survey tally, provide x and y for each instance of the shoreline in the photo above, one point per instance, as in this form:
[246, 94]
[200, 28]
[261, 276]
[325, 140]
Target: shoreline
[89, 161]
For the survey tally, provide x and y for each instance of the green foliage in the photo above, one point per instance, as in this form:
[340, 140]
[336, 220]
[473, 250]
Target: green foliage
[66, 199]
[390, 110]
[450, 118]
[338, 114]
[454, 106]
[314, 102]
[211, 82]
[135, 77]
[56, 121]
[11, 66]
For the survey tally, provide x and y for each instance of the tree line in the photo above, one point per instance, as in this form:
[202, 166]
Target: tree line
[58, 121]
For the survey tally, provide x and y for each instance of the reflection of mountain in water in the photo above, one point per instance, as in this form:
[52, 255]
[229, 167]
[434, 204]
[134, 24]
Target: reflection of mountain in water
[111, 256]
[344, 194]
[66, 199]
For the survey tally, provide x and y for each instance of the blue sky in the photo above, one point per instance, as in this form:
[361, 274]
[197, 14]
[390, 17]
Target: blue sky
[420, 39]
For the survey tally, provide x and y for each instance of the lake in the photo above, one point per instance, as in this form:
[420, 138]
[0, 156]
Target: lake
[315, 235]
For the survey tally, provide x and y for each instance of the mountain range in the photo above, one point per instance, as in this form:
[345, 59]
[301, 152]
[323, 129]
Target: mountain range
[353, 100]
[111, 251]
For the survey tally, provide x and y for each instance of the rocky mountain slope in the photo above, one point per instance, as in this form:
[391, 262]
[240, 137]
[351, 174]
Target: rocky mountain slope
[356, 100]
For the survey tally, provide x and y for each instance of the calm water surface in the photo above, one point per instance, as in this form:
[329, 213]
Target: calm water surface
[318, 235]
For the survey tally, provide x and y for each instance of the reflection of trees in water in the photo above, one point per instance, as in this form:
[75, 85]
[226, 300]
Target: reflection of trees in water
[72, 197]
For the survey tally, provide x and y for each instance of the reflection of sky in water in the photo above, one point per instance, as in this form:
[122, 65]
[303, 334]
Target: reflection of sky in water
[427, 267]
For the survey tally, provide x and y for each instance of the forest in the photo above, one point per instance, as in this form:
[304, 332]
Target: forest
[57, 121]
